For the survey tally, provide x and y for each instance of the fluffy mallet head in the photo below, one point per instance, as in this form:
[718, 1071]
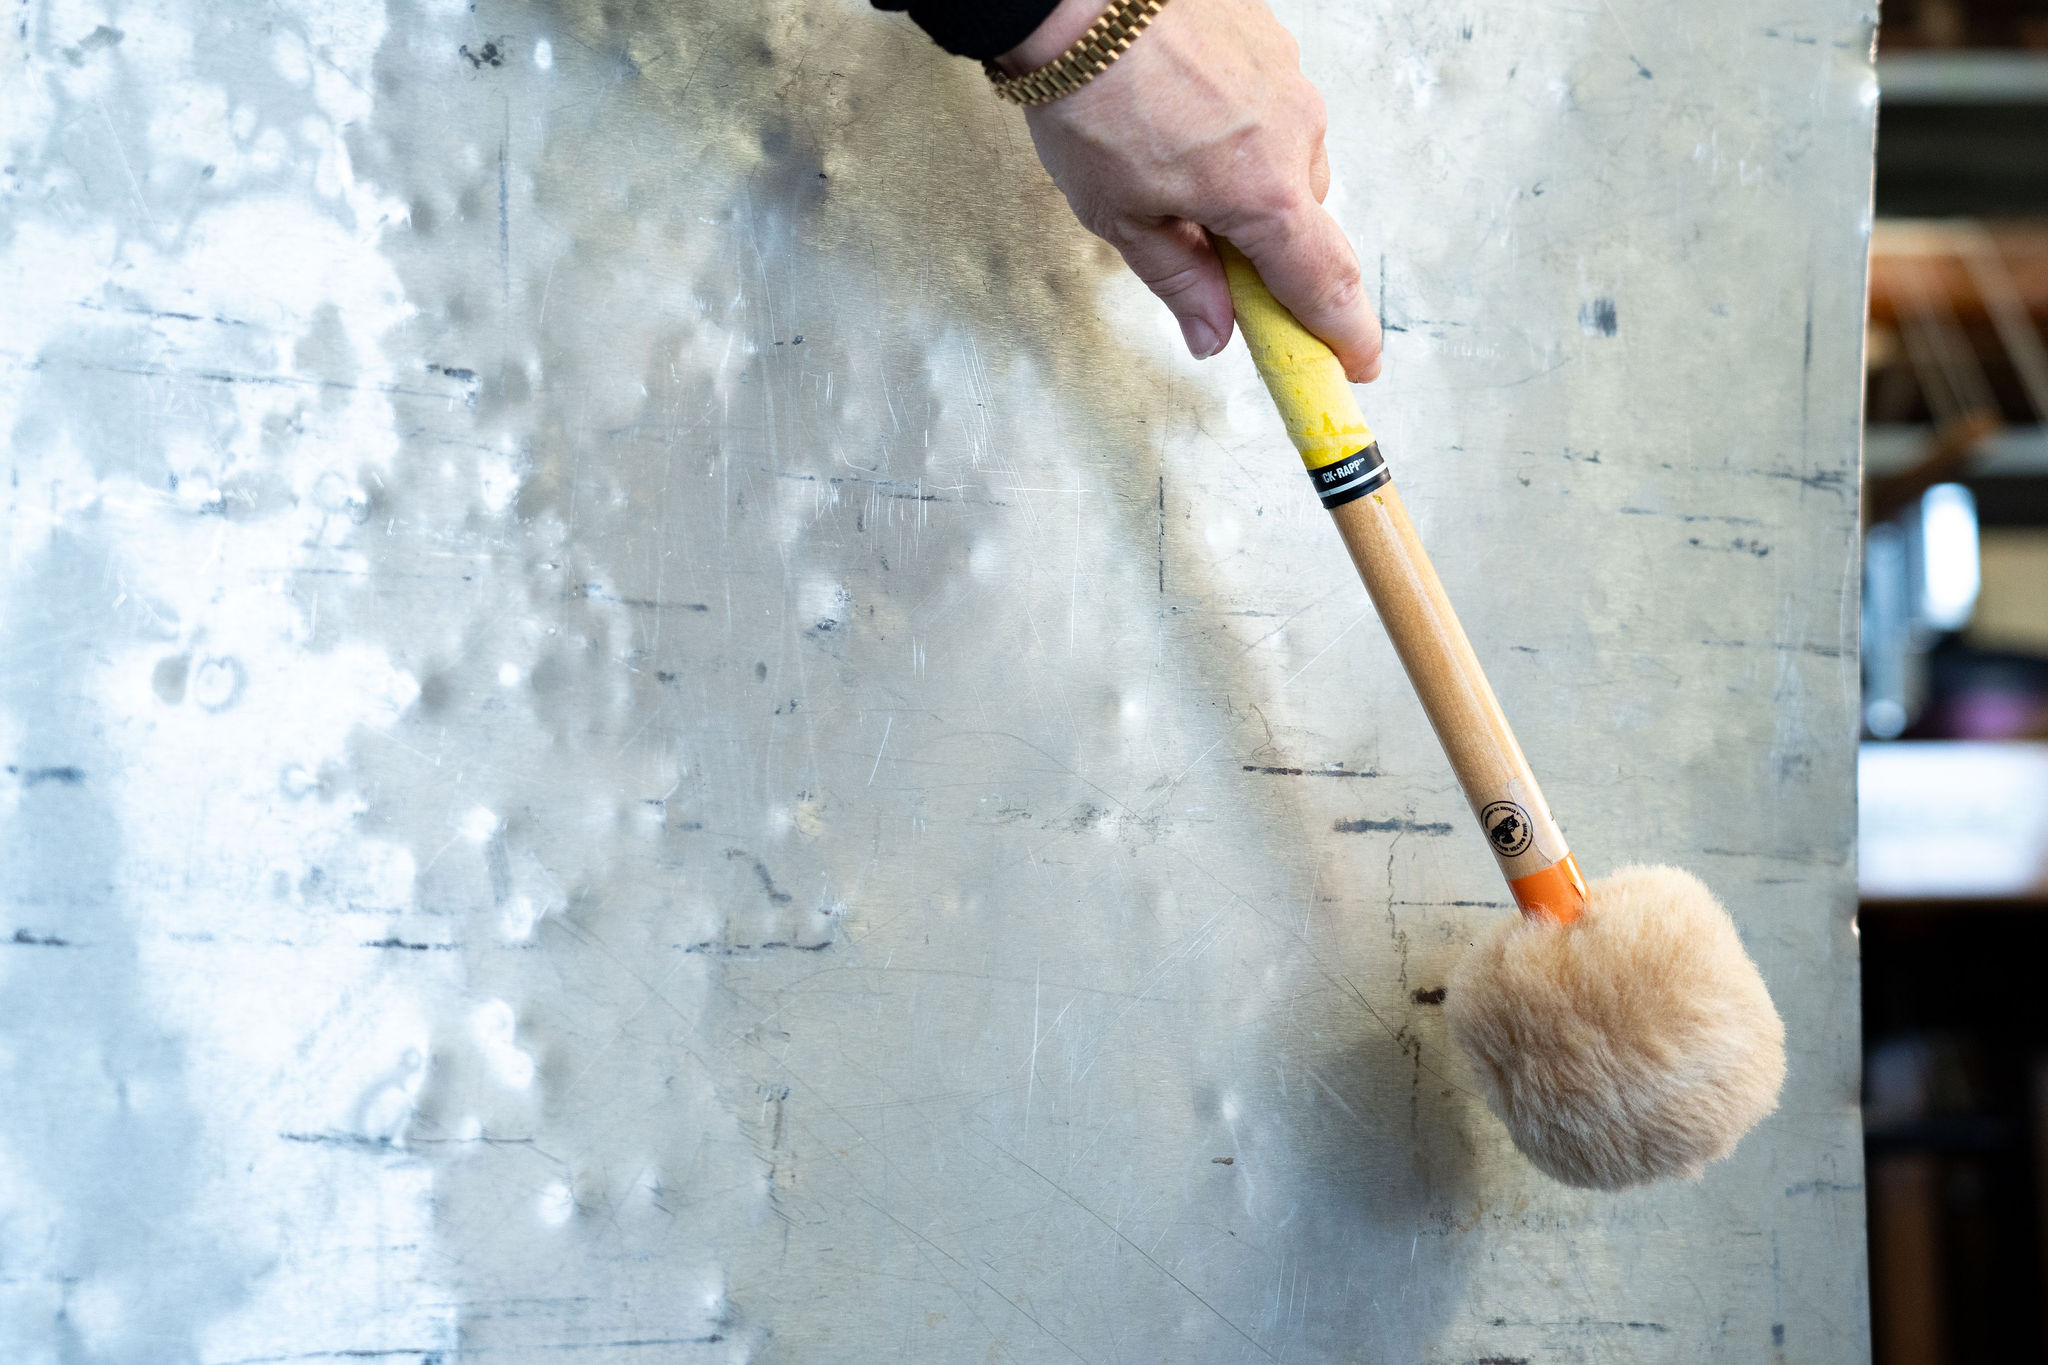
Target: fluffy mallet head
[1635, 1043]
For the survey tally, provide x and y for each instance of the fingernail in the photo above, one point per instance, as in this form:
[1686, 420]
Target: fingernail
[1200, 337]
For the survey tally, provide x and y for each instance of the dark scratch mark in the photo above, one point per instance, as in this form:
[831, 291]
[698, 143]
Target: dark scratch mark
[103, 36]
[1337, 771]
[594, 592]
[1433, 996]
[487, 55]
[231, 377]
[35, 777]
[504, 189]
[30, 940]
[1810, 859]
[768, 886]
[1391, 827]
[1611, 1324]
[162, 314]
[1687, 516]
[434, 1355]
[427, 1355]
[1828, 480]
[1822, 1187]
[887, 488]
[1823, 651]
[454, 372]
[1461, 905]
[395, 942]
[715, 949]
[1735, 546]
[1599, 318]
[489, 1141]
[334, 1139]
[631, 1343]
[761, 870]
[1222, 1161]
[1806, 366]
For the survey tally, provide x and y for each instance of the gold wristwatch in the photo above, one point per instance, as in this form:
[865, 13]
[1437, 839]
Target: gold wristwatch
[1107, 39]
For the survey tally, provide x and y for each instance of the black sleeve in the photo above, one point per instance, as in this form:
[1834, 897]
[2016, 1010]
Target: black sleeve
[975, 28]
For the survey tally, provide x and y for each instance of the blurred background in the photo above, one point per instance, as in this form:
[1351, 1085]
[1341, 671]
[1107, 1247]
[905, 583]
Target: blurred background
[1953, 774]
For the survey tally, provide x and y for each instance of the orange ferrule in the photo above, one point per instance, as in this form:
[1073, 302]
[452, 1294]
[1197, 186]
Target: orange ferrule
[1558, 891]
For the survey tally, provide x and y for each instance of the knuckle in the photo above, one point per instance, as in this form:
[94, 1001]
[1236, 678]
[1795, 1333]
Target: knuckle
[1174, 282]
[1315, 113]
[1118, 231]
[1267, 210]
[1289, 199]
[1342, 290]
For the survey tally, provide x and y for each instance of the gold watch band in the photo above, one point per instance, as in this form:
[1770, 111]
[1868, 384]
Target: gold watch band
[1107, 39]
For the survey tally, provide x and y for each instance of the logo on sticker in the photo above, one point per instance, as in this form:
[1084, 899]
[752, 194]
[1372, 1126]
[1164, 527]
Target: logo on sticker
[1507, 826]
[1343, 469]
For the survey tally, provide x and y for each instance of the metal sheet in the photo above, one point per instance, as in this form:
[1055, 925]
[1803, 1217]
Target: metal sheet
[649, 716]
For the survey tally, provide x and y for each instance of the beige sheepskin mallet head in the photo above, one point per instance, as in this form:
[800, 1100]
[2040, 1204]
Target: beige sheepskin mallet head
[1635, 1043]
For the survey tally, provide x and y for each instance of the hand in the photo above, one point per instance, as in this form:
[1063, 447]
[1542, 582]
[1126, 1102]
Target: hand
[1206, 125]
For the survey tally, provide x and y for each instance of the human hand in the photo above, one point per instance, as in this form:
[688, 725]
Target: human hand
[1206, 125]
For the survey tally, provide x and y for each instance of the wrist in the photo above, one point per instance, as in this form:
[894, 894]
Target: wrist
[1058, 32]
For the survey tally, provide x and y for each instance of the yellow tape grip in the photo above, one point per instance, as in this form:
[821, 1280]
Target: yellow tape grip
[1307, 383]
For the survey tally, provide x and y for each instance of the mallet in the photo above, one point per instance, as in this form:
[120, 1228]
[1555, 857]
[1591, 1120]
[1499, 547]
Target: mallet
[1619, 1029]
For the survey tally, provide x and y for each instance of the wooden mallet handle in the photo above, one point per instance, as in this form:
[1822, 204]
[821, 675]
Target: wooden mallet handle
[1344, 463]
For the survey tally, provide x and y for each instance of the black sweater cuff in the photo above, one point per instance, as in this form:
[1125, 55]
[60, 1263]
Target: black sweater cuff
[975, 28]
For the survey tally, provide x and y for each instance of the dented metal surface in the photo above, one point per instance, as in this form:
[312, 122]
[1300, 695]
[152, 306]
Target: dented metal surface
[648, 716]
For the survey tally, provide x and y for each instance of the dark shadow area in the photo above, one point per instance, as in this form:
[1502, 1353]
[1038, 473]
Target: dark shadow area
[1937, 160]
[1956, 1113]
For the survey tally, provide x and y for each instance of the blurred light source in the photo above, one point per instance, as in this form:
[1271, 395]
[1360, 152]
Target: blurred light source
[1941, 820]
[1948, 556]
[1887, 704]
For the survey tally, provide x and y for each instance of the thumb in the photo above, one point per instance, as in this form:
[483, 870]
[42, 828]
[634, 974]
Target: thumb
[1306, 261]
[1177, 262]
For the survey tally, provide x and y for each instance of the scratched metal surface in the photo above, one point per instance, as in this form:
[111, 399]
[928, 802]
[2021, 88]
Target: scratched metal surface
[649, 717]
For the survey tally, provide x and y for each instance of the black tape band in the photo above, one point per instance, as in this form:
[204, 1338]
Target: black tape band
[1351, 477]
